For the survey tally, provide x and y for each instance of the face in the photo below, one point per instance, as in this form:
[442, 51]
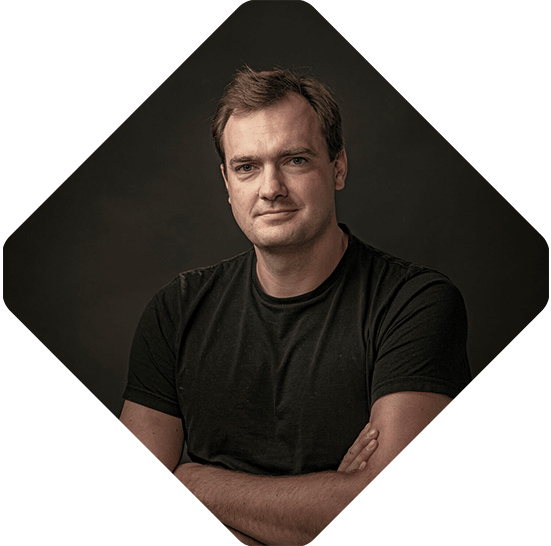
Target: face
[280, 181]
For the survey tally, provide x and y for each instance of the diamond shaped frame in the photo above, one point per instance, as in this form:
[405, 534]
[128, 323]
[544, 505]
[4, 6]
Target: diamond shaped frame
[387, 247]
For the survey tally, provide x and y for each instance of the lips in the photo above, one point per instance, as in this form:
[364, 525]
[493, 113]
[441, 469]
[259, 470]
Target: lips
[276, 212]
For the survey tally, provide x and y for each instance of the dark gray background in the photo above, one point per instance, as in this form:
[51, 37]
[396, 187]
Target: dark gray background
[150, 202]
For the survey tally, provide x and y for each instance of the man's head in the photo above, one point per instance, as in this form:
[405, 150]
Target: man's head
[250, 91]
[280, 172]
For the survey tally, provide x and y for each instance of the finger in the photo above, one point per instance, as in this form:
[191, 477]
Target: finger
[360, 462]
[361, 442]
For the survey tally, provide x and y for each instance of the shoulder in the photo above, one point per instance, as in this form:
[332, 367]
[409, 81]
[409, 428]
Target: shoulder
[405, 296]
[177, 298]
[174, 303]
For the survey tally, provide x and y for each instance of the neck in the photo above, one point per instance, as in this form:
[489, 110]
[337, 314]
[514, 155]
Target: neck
[292, 272]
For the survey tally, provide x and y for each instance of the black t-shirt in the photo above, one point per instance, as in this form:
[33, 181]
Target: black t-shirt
[283, 386]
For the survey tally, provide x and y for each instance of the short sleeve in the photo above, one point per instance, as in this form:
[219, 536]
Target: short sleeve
[151, 374]
[421, 345]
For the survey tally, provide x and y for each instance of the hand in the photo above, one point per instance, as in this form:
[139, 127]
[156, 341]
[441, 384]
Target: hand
[357, 456]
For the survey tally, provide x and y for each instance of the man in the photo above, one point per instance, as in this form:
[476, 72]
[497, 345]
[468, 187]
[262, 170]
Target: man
[270, 364]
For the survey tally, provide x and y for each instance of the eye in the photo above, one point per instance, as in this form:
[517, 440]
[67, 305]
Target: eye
[298, 161]
[244, 168]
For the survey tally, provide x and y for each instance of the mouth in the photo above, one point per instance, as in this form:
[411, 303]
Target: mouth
[278, 212]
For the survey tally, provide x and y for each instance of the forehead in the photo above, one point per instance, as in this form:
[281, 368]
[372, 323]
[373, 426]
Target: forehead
[292, 122]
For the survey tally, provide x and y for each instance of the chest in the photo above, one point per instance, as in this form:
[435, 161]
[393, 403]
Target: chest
[283, 390]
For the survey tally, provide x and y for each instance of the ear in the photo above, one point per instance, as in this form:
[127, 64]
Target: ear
[341, 168]
[223, 170]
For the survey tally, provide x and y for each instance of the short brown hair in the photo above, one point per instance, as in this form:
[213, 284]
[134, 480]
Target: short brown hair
[250, 91]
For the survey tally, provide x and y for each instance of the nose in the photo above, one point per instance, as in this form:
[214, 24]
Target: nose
[272, 184]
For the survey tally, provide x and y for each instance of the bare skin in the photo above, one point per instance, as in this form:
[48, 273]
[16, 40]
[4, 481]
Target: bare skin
[290, 509]
[281, 186]
[163, 435]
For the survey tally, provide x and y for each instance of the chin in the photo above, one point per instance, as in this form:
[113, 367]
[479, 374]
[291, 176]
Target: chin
[278, 238]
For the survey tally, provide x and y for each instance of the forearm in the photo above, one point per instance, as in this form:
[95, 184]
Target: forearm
[273, 510]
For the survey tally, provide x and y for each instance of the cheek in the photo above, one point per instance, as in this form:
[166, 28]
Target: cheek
[241, 202]
[318, 193]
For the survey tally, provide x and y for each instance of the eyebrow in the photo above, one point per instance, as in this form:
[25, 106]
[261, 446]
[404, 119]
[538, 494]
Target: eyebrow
[289, 152]
[297, 151]
[243, 159]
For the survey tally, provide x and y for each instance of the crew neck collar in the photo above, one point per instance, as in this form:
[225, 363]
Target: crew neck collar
[320, 289]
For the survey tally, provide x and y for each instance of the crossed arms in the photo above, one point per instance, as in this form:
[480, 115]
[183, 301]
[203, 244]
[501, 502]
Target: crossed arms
[288, 509]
